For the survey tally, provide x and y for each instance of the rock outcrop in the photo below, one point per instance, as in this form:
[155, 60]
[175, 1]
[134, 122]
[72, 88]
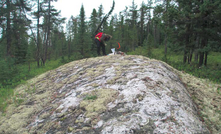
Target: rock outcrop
[112, 94]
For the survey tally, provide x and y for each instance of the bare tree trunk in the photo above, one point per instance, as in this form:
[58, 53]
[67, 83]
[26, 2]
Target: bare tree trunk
[49, 31]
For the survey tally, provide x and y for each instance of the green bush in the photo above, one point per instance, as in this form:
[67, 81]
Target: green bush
[90, 97]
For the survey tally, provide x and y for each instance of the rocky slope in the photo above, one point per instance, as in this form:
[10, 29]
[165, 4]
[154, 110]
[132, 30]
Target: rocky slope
[114, 94]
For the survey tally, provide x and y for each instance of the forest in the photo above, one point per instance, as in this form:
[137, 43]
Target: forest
[34, 40]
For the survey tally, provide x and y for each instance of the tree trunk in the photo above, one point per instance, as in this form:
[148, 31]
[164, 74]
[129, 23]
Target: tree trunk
[165, 45]
[201, 59]
[196, 56]
[185, 56]
[155, 35]
[165, 49]
[141, 26]
[148, 28]
[69, 49]
[8, 29]
[196, 51]
[205, 61]
[190, 57]
[38, 38]
[158, 36]
[48, 32]
[187, 48]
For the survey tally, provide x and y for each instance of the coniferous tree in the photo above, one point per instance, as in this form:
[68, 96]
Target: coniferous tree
[83, 36]
[110, 30]
[133, 24]
[70, 36]
[50, 18]
[93, 25]
[19, 29]
[14, 40]
[76, 49]
[141, 29]
[149, 7]
[100, 16]
[37, 14]
[8, 26]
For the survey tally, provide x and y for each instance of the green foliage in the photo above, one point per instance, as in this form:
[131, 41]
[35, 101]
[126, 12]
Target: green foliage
[90, 97]
[5, 93]
[8, 70]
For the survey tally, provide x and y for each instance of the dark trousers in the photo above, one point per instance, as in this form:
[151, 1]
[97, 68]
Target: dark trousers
[99, 46]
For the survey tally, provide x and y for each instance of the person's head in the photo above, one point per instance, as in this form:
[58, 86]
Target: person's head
[108, 37]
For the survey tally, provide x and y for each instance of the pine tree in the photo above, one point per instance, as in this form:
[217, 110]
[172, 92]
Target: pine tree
[83, 36]
[133, 24]
[93, 25]
[141, 30]
[76, 49]
[100, 16]
[38, 35]
[14, 40]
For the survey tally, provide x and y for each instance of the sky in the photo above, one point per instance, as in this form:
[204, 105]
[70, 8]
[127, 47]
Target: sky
[72, 7]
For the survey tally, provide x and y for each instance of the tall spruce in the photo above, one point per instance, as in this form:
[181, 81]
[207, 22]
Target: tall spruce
[141, 26]
[134, 36]
[100, 16]
[83, 36]
[93, 25]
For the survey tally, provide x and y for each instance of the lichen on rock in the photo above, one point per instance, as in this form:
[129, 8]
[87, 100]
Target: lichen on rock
[113, 94]
[94, 107]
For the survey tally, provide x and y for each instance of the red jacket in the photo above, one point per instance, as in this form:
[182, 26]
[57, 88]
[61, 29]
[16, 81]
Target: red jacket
[99, 35]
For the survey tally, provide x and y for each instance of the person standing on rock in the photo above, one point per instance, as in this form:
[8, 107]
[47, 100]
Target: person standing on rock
[99, 39]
